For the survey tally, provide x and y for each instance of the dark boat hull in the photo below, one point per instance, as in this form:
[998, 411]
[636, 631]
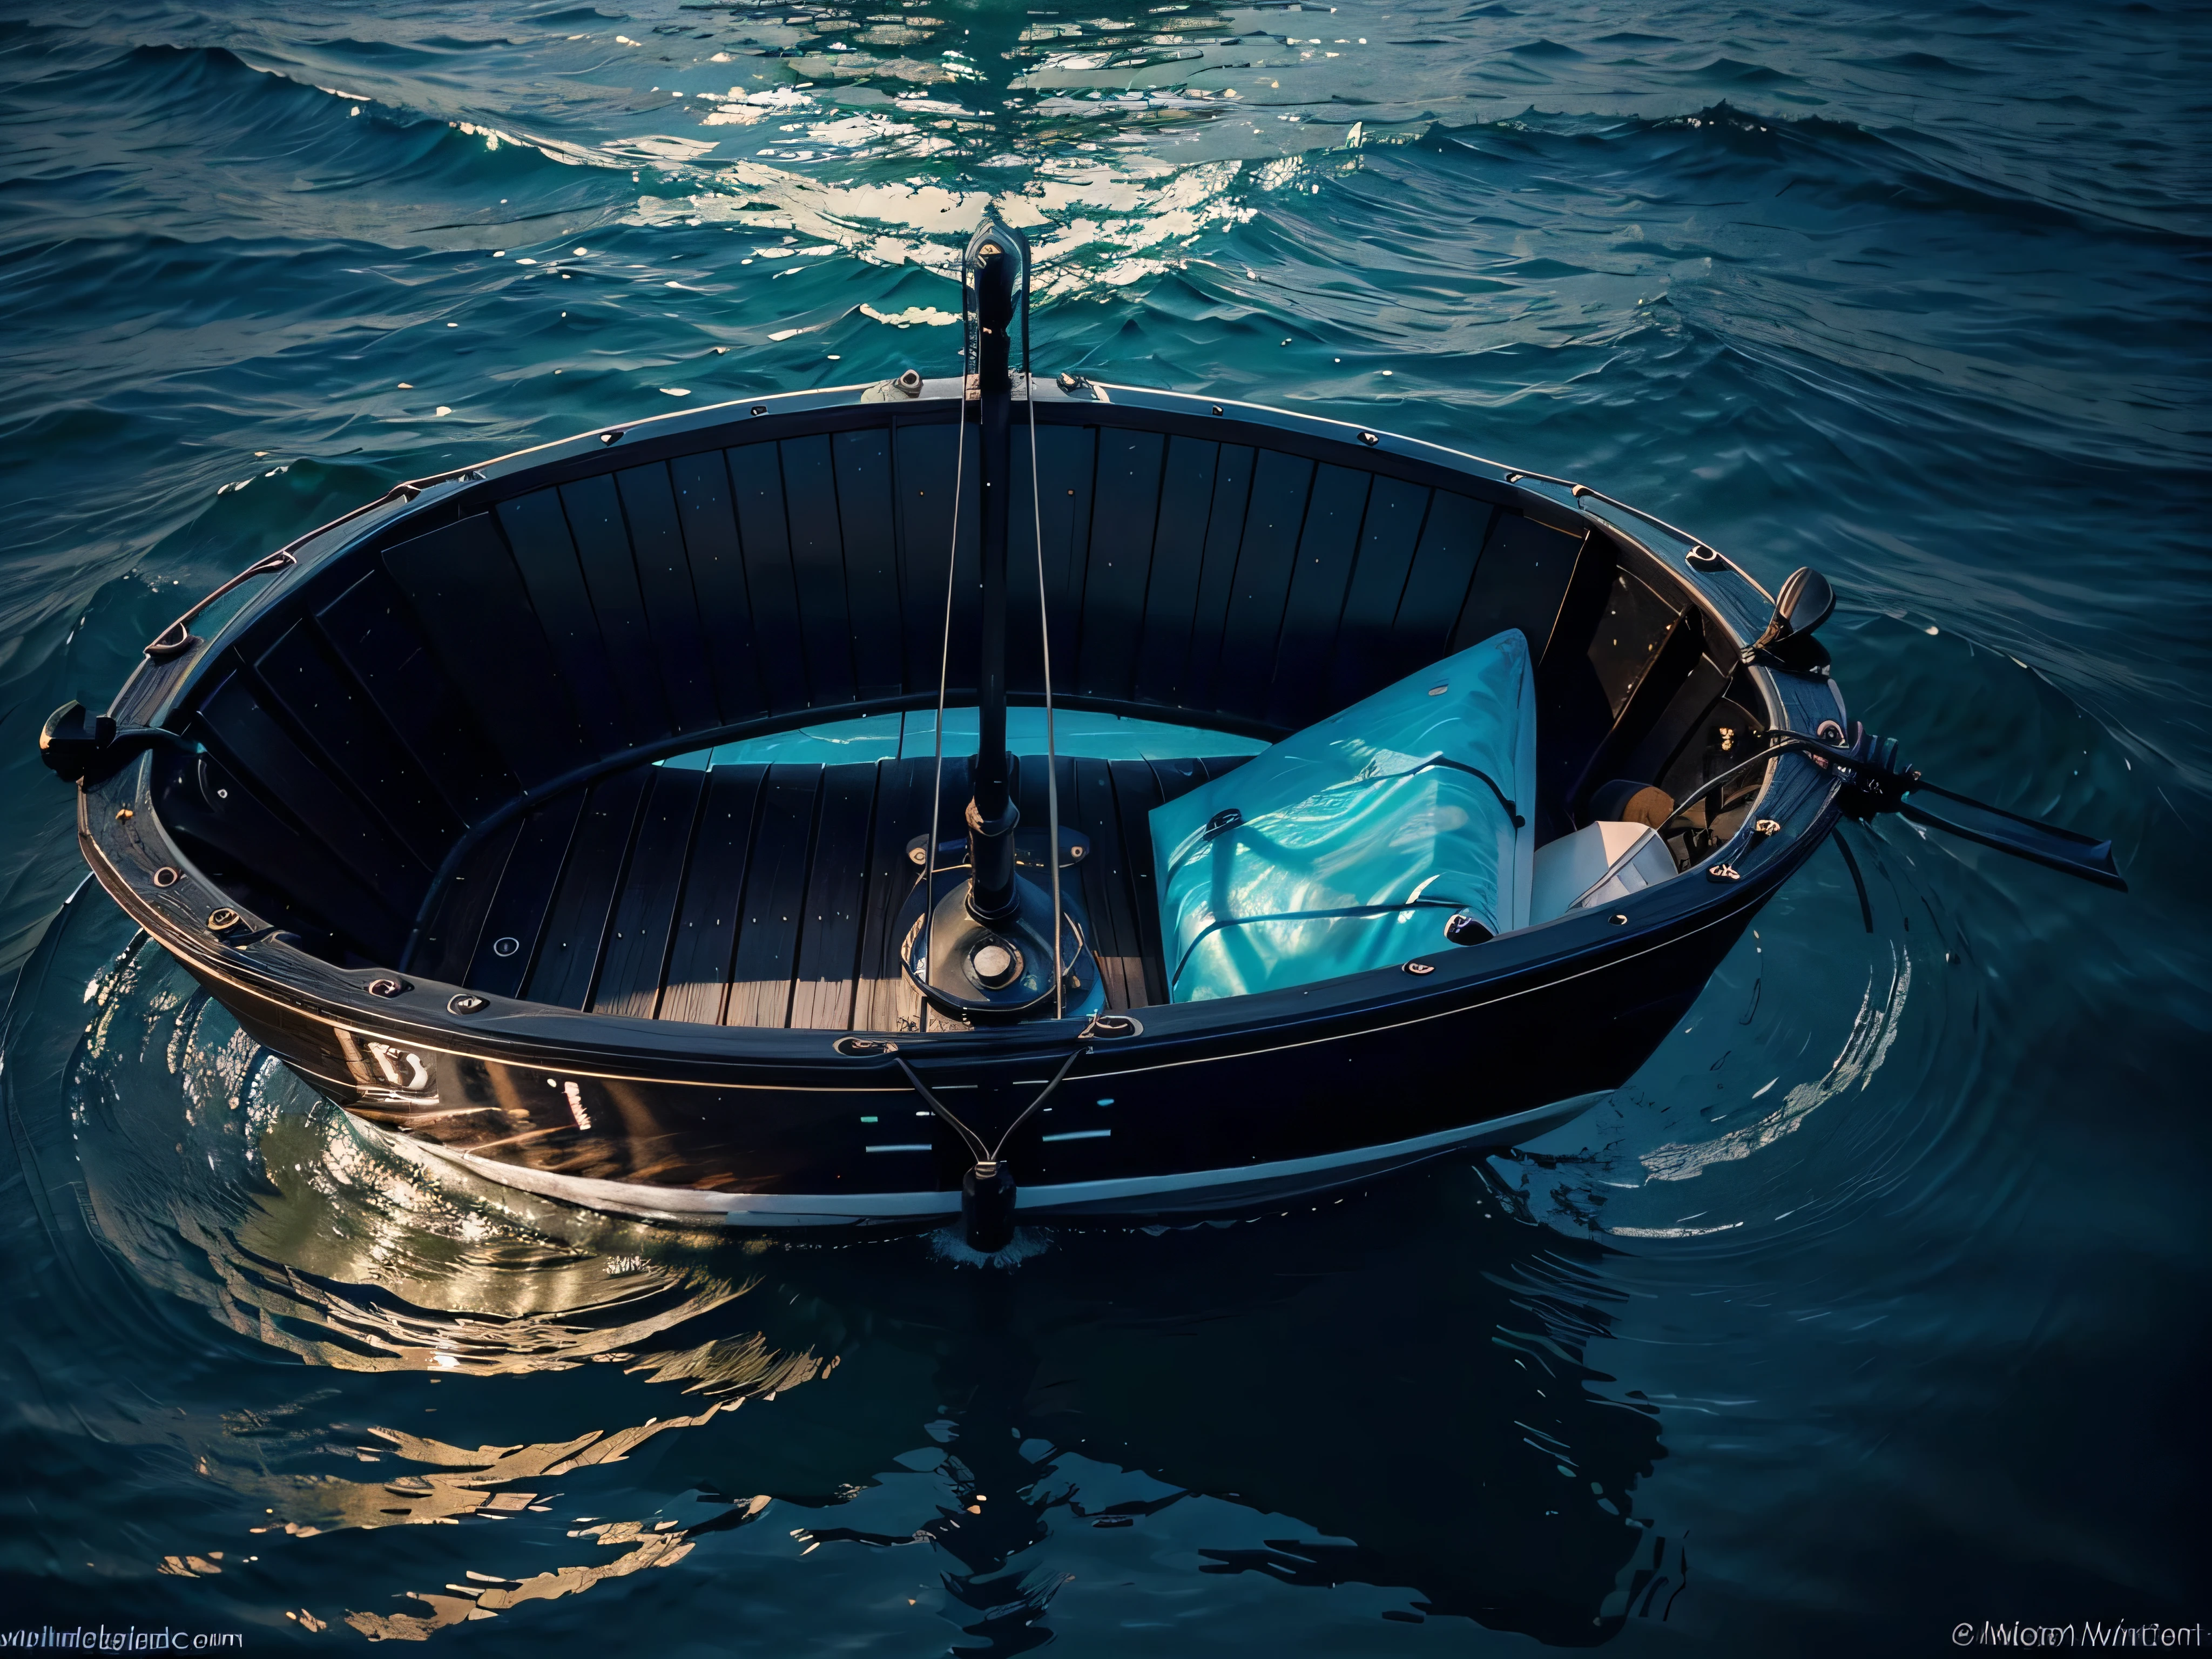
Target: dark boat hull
[1204, 1107]
[1145, 1126]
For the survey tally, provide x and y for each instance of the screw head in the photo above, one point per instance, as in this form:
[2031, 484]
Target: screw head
[221, 921]
[386, 987]
[468, 1003]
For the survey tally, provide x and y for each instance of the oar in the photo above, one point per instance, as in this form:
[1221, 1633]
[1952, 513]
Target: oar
[1880, 782]
[2040, 843]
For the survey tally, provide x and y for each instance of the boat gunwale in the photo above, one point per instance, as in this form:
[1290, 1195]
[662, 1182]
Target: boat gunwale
[1794, 786]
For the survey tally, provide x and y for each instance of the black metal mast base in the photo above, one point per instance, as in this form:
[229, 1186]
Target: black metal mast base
[1000, 970]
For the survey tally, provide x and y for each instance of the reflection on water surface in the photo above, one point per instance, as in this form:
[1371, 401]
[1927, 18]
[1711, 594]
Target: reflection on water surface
[867, 1398]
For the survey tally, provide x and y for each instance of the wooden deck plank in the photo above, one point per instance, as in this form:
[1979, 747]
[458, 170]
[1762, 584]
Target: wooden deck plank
[882, 993]
[519, 909]
[1136, 792]
[583, 905]
[823, 986]
[770, 895]
[1114, 935]
[456, 919]
[645, 913]
[697, 977]
[910, 1014]
[775, 894]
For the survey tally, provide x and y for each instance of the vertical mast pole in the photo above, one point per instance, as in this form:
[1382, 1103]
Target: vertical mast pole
[997, 265]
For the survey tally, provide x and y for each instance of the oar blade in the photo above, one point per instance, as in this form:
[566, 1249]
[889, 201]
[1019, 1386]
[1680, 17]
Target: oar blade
[2040, 843]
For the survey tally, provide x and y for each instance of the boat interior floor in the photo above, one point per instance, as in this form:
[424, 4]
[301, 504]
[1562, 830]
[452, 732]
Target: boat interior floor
[767, 895]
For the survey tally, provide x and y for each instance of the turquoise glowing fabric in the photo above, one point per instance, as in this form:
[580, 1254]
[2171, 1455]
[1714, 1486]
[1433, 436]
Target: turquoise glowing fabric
[1349, 845]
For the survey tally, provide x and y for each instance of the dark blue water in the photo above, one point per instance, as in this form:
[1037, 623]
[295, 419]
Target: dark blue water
[1876, 1304]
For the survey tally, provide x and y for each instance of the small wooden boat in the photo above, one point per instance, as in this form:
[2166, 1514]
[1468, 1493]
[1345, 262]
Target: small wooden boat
[515, 810]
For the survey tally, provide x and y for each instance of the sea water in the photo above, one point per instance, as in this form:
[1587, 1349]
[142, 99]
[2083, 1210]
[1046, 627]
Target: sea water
[1871, 1312]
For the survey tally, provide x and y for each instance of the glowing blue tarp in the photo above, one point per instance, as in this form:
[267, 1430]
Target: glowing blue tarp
[1349, 845]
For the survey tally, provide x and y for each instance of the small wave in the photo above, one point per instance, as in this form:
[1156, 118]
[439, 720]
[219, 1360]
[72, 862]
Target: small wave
[1735, 72]
[1919, 63]
[1548, 48]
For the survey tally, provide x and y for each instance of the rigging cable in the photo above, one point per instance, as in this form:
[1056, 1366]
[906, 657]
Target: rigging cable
[1044, 631]
[945, 656]
[985, 1160]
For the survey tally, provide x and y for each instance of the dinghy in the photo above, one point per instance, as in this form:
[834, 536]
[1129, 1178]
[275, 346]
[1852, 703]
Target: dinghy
[984, 796]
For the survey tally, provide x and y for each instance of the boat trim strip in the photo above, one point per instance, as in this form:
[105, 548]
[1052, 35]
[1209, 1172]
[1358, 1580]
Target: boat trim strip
[1197, 1189]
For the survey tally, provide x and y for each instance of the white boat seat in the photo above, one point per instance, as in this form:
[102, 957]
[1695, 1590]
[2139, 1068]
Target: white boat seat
[1597, 865]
